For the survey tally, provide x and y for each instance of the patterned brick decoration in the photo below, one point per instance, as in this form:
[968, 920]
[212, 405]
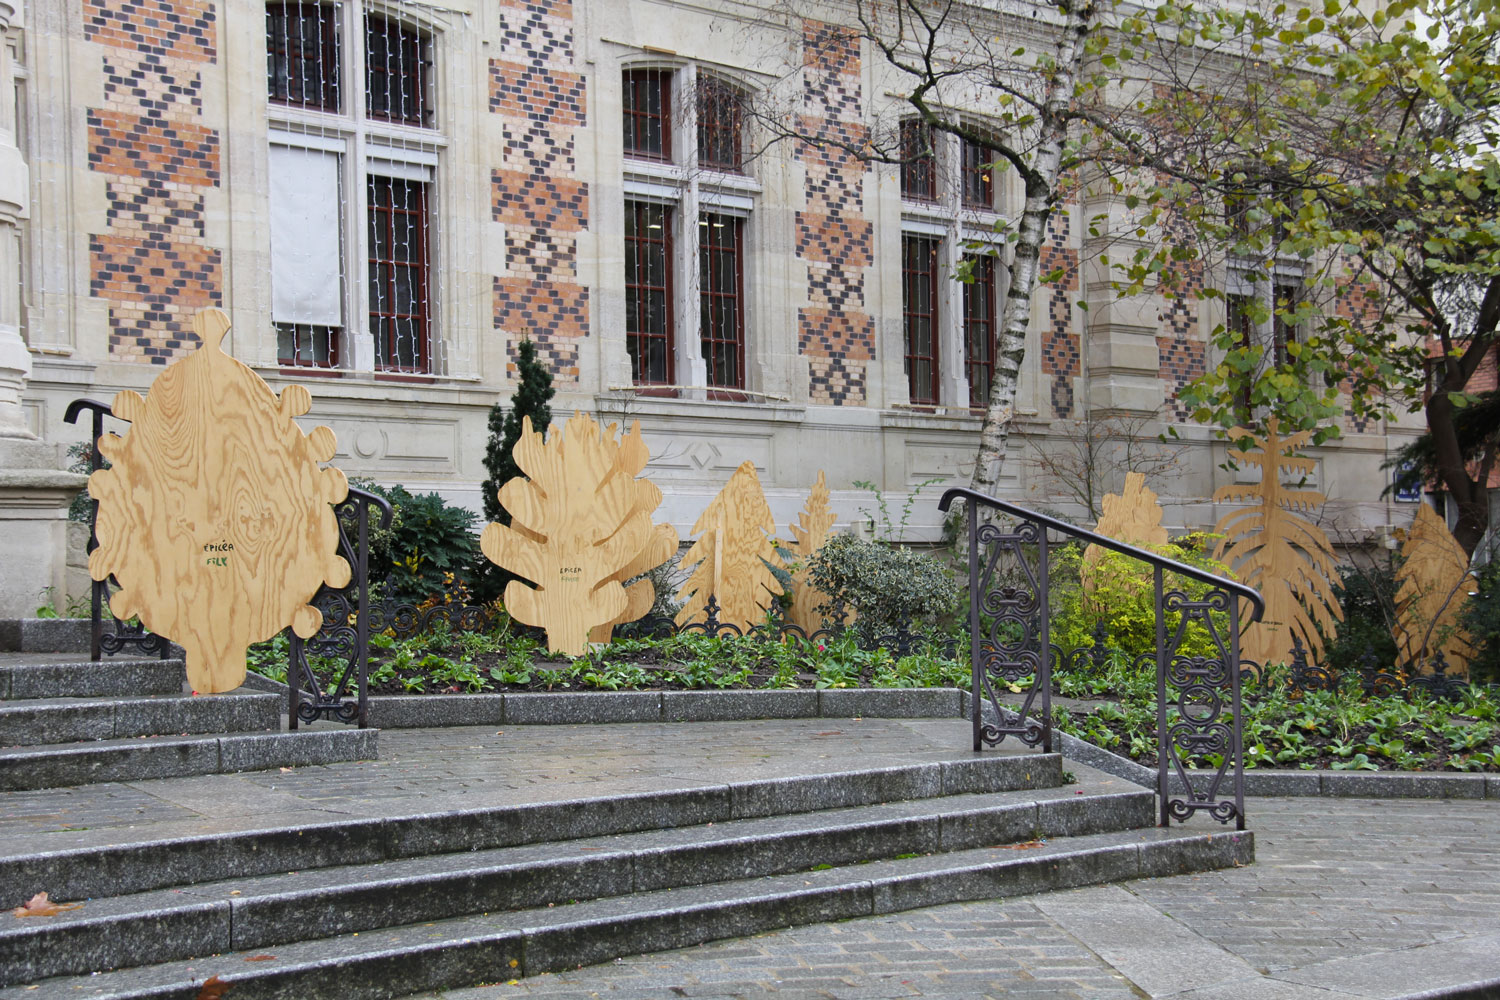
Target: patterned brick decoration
[181, 29]
[836, 382]
[541, 100]
[1182, 354]
[147, 141]
[834, 239]
[1062, 351]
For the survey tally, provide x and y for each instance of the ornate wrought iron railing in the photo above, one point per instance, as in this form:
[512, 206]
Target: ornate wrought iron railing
[345, 635]
[113, 636]
[1198, 698]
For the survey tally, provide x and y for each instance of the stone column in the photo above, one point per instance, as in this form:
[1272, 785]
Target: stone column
[34, 493]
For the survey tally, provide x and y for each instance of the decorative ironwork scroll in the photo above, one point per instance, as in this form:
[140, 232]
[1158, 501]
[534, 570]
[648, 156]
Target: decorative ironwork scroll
[1010, 628]
[345, 632]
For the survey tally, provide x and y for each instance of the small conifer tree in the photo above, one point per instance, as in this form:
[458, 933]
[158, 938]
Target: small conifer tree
[533, 394]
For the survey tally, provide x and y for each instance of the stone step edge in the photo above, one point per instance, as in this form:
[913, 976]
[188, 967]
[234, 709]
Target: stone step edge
[68, 765]
[45, 722]
[267, 911]
[147, 672]
[139, 866]
[470, 950]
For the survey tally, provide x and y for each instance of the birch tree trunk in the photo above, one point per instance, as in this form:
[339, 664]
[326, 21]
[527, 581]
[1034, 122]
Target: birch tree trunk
[1041, 195]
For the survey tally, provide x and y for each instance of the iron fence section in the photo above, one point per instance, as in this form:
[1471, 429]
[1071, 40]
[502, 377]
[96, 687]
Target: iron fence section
[1198, 704]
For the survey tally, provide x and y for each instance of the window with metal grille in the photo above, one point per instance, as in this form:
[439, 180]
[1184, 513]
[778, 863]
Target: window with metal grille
[978, 175]
[721, 298]
[647, 103]
[395, 72]
[918, 162]
[720, 126]
[648, 292]
[979, 331]
[307, 345]
[1240, 322]
[398, 273]
[302, 55]
[919, 314]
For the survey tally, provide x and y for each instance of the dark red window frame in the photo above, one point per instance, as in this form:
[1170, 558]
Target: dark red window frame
[298, 345]
[721, 298]
[398, 243]
[919, 316]
[648, 281]
[979, 175]
[918, 162]
[1241, 326]
[980, 329]
[648, 128]
[720, 126]
[396, 66]
[302, 56]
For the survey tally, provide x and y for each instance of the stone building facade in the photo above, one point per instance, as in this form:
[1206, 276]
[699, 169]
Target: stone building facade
[386, 196]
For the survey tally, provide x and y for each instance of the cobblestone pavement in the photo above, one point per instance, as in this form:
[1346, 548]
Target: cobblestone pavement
[1348, 898]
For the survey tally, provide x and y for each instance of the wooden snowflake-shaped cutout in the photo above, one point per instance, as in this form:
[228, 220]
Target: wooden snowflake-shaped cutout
[216, 518]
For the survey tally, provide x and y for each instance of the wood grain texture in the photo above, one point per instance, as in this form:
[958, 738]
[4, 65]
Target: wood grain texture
[576, 524]
[1433, 586]
[814, 525]
[1132, 516]
[1273, 548]
[733, 549]
[215, 517]
[630, 461]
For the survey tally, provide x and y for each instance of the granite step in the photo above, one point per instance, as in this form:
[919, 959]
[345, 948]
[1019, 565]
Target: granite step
[421, 955]
[111, 862]
[248, 912]
[56, 765]
[65, 720]
[41, 676]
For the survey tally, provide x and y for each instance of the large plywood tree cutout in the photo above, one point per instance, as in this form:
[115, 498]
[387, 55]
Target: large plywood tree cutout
[1132, 516]
[630, 462]
[575, 526]
[814, 525]
[734, 554]
[1433, 585]
[1272, 547]
[215, 517]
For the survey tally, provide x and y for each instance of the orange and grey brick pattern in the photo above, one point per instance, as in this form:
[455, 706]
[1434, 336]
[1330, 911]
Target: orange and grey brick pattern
[541, 101]
[834, 239]
[1062, 354]
[147, 140]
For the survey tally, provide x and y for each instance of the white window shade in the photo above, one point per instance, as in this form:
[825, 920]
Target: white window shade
[305, 268]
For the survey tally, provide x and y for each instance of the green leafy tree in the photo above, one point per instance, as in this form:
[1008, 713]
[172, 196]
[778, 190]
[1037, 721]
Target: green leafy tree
[1359, 144]
[532, 399]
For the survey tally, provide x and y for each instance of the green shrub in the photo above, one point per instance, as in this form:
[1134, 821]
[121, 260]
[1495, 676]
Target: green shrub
[1481, 616]
[883, 586]
[427, 551]
[1368, 597]
[1122, 595]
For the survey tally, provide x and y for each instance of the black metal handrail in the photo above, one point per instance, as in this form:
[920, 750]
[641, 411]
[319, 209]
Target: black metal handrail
[1017, 645]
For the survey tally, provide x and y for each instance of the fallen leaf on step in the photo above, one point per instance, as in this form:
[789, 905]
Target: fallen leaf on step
[40, 906]
[286, 770]
[1028, 845]
[261, 958]
[213, 988]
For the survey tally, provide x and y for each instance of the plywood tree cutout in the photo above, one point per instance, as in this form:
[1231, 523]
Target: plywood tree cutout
[1132, 516]
[732, 553]
[1276, 550]
[630, 462]
[215, 518]
[1433, 585]
[814, 525]
[575, 526]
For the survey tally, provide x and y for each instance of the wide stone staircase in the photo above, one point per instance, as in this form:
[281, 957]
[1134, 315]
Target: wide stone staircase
[67, 721]
[415, 901]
